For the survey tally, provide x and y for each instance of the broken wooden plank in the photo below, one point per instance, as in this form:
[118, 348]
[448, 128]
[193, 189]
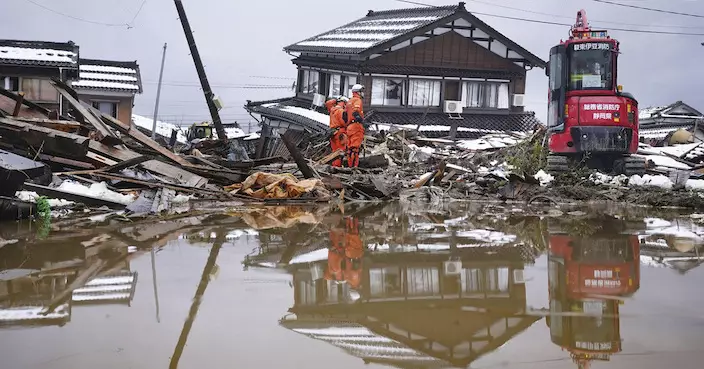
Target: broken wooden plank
[297, 156]
[18, 104]
[175, 187]
[104, 134]
[424, 179]
[23, 134]
[59, 125]
[330, 157]
[440, 173]
[83, 199]
[132, 131]
[112, 156]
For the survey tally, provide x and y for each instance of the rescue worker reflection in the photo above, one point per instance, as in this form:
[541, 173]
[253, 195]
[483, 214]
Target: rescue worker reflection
[355, 125]
[338, 122]
[588, 280]
[345, 254]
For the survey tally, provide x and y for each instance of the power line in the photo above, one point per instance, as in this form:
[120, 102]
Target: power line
[649, 9]
[137, 13]
[566, 24]
[595, 20]
[76, 18]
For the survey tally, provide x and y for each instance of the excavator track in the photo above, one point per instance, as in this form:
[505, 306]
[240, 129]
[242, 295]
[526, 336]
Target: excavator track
[557, 164]
[634, 165]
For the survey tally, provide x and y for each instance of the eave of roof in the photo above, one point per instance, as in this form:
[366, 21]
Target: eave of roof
[263, 108]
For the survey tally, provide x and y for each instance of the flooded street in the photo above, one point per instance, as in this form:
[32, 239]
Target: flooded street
[375, 286]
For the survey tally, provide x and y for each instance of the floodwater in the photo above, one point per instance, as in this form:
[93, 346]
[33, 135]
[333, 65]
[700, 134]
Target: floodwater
[480, 286]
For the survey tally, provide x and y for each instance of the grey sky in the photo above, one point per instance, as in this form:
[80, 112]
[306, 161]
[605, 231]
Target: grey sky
[241, 39]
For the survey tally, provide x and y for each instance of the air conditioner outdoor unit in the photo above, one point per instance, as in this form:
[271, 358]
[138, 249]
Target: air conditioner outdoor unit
[453, 267]
[518, 100]
[453, 107]
[218, 103]
[318, 99]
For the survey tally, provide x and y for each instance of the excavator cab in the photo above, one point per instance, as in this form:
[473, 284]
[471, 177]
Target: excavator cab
[590, 119]
[203, 130]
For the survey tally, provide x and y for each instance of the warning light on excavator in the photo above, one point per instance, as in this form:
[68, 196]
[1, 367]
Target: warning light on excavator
[619, 88]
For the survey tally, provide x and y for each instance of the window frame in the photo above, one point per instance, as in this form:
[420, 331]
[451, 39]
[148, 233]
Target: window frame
[302, 73]
[403, 90]
[43, 84]
[485, 101]
[5, 82]
[115, 103]
[430, 104]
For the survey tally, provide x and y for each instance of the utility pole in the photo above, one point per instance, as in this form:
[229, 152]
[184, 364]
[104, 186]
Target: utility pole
[215, 115]
[158, 93]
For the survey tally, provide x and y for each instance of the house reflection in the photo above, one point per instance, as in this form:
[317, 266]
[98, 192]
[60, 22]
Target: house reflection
[40, 284]
[590, 270]
[436, 305]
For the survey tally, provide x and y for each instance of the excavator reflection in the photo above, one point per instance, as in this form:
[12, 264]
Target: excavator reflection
[589, 274]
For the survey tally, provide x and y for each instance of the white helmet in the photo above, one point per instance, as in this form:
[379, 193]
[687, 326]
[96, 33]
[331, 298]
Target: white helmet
[357, 88]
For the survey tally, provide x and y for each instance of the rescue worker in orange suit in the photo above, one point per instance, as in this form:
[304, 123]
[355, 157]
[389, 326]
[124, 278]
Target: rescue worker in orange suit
[338, 122]
[355, 125]
[336, 256]
[354, 251]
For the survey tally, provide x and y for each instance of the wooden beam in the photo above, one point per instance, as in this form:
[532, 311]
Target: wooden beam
[297, 156]
[18, 104]
[104, 134]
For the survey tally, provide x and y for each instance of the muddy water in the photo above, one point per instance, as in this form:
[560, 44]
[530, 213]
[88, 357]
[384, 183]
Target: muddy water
[398, 286]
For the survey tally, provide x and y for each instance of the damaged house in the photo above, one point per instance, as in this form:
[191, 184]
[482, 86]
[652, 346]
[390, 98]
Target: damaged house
[29, 66]
[441, 71]
[657, 125]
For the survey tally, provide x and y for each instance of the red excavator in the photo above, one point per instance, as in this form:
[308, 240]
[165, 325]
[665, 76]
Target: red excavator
[590, 119]
[586, 275]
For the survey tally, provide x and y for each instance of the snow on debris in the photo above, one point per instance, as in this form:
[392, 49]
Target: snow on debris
[105, 84]
[106, 69]
[485, 235]
[30, 196]
[493, 141]
[33, 313]
[162, 128]
[48, 55]
[544, 178]
[97, 190]
[665, 161]
[234, 132]
[650, 181]
[656, 223]
[311, 114]
[310, 257]
[107, 77]
[339, 44]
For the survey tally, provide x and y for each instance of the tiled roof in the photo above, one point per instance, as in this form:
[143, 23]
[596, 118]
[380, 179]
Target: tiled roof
[372, 30]
[109, 76]
[39, 53]
[291, 110]
[381, 29]
[438, 71]
[471, 126]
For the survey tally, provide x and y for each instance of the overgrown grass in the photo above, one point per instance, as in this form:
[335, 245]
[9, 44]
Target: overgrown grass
[529, 156]
[44, 217]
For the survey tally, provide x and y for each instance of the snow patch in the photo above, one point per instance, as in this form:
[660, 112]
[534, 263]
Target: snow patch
[664, 161]
[162, 128]
[106, 69]
[97, 190]
[311, 114]
[656, 222]
[107, 77]
[544, 178]
[695, 184]
[485, 235]
[650, 181]
[47, 55]
[30, 196]
[313, 256]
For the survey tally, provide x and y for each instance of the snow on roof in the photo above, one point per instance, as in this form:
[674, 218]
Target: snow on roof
[234, 132]
[32, 54]
[107, 76]
[313, 256]
[489, 236]
[106, 69]
[162, 128]
[105, 84]
[357, 36]
[338, 44]
[29, 313]
[311, 114]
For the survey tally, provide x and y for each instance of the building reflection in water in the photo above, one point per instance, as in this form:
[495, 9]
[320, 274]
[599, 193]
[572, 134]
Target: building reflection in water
[39, 284]
[590, 270]
[407, 306]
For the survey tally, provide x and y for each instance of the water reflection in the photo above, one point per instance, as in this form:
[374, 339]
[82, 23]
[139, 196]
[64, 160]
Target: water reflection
[449, 296]
[591, 267]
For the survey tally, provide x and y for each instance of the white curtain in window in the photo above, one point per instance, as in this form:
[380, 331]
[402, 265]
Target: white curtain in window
[492, 95]
[424, 93]
[503, 96]
[334, 85]
[423, 281]
[473, 94]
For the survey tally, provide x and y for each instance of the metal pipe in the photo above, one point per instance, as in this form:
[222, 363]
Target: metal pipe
[158, 93]
[215, 115]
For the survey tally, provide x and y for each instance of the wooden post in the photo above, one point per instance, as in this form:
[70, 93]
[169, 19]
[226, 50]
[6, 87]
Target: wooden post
[18, 104]
[297, 156]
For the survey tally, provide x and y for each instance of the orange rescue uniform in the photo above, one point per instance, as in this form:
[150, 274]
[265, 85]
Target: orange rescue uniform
[355, 129]
[339, 139]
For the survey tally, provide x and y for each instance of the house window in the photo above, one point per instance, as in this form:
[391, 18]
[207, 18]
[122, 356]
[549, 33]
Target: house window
[452, 90]
[388, 91]
[10, 83]
[335, 85]
[485, 95]
[341, 85]
[324, 83]
[106, 107]
[424, 92]
[39, 90]
[308, 81]
[349, 81]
